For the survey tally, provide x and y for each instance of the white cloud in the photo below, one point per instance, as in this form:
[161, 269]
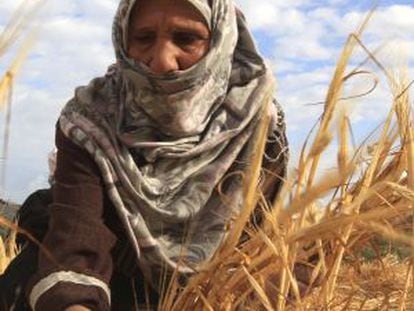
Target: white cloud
[73, 46]
[302, 53]
[302, 39]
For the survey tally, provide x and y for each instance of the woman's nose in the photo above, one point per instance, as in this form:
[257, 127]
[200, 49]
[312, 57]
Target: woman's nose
[164, 58]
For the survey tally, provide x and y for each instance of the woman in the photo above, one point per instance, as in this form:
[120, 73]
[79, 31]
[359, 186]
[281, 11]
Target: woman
[142, 151]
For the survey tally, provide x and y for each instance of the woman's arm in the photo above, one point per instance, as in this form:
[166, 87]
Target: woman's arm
[77, 239]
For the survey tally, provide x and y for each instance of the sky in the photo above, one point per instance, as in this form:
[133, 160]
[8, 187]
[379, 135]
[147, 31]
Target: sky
[301, 40]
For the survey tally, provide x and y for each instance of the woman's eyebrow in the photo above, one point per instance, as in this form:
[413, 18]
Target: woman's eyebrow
[192, 31]
[144, 29]
[191, 27]
[180, 27]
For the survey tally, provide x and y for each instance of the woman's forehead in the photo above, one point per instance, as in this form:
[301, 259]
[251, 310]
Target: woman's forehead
[188, 8]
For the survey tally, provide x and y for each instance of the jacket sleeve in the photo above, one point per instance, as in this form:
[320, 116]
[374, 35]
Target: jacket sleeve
[75, 266]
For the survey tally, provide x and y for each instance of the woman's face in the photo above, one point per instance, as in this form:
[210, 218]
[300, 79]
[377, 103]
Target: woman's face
[167, 35]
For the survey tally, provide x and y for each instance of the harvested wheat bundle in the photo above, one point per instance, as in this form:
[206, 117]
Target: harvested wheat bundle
[8, 251]
[8, 247]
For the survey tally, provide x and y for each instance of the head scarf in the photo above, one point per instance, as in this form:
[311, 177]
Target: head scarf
[164, 142]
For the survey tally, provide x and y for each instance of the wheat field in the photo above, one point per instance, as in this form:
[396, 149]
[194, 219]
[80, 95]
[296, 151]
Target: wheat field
[346, 229]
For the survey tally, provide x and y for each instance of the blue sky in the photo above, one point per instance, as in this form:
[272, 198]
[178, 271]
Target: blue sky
[301, 40]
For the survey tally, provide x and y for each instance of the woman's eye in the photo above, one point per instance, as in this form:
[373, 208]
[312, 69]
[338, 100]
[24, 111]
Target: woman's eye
[186, 39]
[144, 38]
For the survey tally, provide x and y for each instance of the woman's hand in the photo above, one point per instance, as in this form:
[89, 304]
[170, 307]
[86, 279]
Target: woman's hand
[77, 308]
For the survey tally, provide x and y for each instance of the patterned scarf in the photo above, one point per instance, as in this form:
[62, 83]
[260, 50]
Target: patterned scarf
[164, 143]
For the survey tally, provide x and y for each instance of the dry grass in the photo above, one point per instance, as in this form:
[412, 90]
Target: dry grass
[8, 251]
[370, 193]
[373, 286]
